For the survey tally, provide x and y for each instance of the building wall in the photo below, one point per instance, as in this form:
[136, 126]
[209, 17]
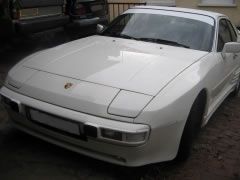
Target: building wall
[233, 12]
[121, 5]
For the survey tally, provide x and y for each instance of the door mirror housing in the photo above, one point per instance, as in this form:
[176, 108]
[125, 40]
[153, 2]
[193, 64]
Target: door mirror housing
[231, 47]
[100, 28]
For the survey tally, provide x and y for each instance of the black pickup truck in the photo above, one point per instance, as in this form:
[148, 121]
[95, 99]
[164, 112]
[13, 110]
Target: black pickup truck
[20, 17]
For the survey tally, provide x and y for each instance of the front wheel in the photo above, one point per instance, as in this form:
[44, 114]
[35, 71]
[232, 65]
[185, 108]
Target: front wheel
[191, 129]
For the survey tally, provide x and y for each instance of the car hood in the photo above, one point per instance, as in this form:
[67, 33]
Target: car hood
[120, 63]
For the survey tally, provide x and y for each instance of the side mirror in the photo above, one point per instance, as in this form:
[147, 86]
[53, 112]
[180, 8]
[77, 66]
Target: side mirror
[231, 47]
[100, 28]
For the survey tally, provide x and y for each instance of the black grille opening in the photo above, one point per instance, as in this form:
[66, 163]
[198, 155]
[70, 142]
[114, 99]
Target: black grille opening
[13, 105]
[90, 131]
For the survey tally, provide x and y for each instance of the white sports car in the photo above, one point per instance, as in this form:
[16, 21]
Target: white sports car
[135, 94]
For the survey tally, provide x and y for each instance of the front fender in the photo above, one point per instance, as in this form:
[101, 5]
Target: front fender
[172, 104]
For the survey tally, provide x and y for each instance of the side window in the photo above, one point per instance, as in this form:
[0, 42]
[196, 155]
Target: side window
[233, 33]
[224, 34]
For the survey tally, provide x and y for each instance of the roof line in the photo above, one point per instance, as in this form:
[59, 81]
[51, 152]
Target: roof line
[179, 9]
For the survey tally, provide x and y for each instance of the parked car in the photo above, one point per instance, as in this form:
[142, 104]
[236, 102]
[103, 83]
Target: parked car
[137, 93]
[85, 15]
[29, 17]
[24, 17]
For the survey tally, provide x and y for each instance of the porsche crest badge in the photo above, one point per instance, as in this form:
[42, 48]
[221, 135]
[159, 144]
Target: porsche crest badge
[68, 85]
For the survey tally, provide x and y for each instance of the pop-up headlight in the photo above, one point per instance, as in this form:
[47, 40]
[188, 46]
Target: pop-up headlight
[128, 104]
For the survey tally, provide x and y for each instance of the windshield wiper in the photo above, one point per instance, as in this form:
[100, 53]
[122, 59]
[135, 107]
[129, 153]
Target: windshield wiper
[163, 41]
[160, 41]
[127, 36]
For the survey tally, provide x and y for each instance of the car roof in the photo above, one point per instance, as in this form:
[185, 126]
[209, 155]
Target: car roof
[214, 15]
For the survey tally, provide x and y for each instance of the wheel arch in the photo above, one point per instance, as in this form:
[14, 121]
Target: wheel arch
[192, 125]
[203, 96]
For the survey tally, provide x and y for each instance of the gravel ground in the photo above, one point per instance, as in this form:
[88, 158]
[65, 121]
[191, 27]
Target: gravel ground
[216, 153]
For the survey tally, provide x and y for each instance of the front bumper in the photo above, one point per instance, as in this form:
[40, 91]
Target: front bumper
[157, 147]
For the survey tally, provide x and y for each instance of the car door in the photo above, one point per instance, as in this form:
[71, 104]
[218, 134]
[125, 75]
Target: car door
[229, 61]
[236, 57]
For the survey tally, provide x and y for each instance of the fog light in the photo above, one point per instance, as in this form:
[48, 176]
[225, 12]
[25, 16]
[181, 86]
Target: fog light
[111, 134]
[124, 137]
[138, 137]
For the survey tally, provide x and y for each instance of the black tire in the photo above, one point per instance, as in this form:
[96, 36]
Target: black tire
[191, 129]
[236, 90]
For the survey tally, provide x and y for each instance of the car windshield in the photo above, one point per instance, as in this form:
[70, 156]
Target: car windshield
[164, 29]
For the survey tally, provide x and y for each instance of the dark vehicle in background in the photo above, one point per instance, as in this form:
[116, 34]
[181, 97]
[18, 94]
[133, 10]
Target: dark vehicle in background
[24, 17]
[85, 15]
[31, 16]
